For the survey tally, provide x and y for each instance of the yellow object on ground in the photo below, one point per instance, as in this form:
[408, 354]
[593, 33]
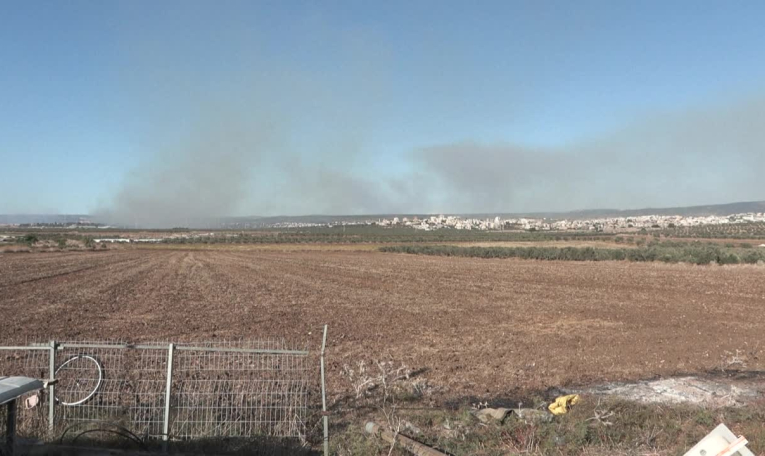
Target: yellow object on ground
[562, 403]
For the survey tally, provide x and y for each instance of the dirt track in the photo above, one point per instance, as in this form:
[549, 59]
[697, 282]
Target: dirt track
[486, 328]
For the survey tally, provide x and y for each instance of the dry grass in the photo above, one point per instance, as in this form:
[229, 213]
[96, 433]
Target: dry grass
[629, 430]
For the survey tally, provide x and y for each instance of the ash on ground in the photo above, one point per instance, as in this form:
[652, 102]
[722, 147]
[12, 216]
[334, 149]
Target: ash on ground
[679, 390]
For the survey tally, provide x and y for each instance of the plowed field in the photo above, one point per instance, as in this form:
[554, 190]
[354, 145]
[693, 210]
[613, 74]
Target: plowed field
[487, 328]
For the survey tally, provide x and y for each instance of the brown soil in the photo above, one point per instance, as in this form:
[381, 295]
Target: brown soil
[485, 328]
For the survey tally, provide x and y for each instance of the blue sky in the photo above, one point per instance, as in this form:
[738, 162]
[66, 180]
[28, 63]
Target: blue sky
[375, 106]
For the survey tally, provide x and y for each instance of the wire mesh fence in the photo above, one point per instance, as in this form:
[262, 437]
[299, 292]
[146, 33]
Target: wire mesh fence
[239, 394]
[166, 391]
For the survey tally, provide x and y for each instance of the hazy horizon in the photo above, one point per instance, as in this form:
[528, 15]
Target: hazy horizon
[138, 112]
[576, 213]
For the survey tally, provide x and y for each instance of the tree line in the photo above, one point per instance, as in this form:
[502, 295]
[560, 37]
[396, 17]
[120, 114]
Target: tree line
[676, 253]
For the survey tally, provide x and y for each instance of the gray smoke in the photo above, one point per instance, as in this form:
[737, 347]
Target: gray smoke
[279, 137]
[234, 163]
[702, 156]
[196, 180]
[270, 138]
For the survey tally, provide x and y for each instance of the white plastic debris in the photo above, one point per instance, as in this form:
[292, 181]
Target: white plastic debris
[721, 442]
[13, 387]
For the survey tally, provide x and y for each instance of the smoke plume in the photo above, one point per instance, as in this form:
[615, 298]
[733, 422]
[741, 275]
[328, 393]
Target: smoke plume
[713, 154]
[279, 137]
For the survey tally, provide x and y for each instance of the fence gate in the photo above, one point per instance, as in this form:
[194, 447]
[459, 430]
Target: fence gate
[165, 392]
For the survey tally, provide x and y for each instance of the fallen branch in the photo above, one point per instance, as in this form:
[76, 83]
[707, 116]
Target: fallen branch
[414, 447]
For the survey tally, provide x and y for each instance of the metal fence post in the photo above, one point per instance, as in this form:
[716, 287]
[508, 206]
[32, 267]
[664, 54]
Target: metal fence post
[168, 385]
[324, 395]
[10, 427]
[52, 387]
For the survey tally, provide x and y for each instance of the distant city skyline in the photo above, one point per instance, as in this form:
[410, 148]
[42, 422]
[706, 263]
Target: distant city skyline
[143, 111]
[740, 212]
